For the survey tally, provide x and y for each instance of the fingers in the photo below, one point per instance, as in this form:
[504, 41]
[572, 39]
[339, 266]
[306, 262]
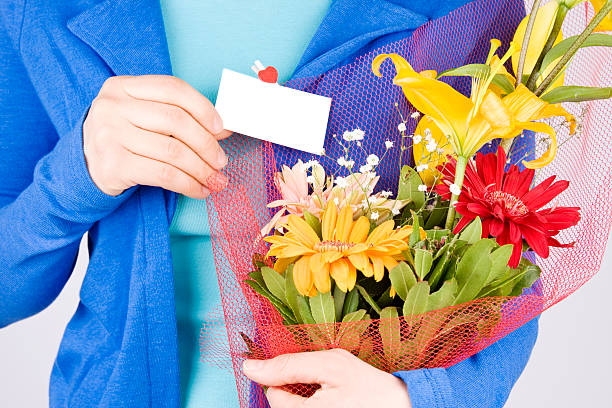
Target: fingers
[151, 172]
[309, 368]
[278, 398]
[173, 121]
[174, 152]
[174, 91]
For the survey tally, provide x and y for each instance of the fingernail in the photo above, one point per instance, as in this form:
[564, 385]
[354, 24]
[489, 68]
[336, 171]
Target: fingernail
[222, 159]
[217, 125]
[217, 182]
[252, 365]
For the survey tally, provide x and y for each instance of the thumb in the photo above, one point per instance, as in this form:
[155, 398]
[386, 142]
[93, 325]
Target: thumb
[306, 368]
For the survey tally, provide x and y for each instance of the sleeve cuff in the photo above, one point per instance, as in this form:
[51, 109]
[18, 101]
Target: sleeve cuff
[428, 388]
[64, 173]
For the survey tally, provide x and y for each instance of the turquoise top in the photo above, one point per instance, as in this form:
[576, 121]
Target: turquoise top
[203, 38]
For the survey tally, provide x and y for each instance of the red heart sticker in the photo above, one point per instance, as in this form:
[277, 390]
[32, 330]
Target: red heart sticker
[269, 75]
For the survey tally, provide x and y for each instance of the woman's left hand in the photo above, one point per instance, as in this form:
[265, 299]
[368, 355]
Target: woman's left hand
[345, 381]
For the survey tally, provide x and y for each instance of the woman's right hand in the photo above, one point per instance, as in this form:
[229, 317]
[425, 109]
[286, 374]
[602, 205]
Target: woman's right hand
[154, 130]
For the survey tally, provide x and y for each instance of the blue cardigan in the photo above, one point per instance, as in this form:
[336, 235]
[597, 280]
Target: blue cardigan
[119, 349]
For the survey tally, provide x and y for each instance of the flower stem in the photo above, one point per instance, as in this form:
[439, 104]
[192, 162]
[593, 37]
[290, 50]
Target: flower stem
[525, 44]
[603, 12]
[459, 176]
[554, 33]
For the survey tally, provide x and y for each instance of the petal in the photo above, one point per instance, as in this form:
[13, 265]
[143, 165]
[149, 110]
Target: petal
[328, 224]
[379, 268]
[549, 154]
[340, 273]
[302, 230]
[536, 240]
[343, 224]
[360, 230]
[359, 261]
[302, 278]
[380, 232]
[320, 273]
[537, 198]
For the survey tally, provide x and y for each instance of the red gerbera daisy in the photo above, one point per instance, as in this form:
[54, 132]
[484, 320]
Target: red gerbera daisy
[510, 211]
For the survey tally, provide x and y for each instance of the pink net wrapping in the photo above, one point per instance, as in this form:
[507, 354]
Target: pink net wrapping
[239, 212]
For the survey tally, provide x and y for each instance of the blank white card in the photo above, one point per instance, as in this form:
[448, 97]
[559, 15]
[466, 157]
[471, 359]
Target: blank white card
[272, 112]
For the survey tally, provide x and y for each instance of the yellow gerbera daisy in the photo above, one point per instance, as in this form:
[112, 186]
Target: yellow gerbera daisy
[346, 246]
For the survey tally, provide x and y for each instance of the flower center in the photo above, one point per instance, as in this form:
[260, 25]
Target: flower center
[512, 206]
[338, 246]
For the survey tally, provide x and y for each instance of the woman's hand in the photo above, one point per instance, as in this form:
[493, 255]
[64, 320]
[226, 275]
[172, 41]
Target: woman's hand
[345, 381]
[154, 130]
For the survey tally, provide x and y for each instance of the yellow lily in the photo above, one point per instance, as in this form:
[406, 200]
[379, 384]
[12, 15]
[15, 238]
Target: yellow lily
[470, 123]
[606, 23]
[346, 246]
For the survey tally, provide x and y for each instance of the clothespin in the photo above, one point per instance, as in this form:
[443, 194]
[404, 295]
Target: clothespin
[266, 74]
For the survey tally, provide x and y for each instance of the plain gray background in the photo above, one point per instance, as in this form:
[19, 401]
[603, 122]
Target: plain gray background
[570, 366]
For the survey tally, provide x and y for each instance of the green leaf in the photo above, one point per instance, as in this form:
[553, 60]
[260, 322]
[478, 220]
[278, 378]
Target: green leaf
[366, 296]
[532, 274]
[322, 308]
[351, 302]
[285, 312]
[296, 301]
[408, 188]
[499, 262]
[440, 268]
[256, 276]
[415, 237]
[339, 297]
[355, 316]
[389, 328]
[275, 283]
[480, 71]
[473, 232]
[403, 279]
[422, 262]
[556, 52]
[417, 299]
[473, 270]
[304, 309]
[314, 223]
[573, 93]
[444, 297]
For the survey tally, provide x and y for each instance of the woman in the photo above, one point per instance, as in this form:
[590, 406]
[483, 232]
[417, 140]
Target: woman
[92, 124]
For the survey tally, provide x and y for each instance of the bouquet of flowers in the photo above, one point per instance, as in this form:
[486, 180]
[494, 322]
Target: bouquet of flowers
[450, 253]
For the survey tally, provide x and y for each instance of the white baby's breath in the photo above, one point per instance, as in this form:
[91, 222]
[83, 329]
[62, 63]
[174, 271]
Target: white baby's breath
[416, 139]
[415, 115]
[373, 160]
[422, 167]
[374, 216]
[422, 187]
[365, 168]
[341, 182]
[401, 127]
[455, 189]
[386, 193]
[431, 146]
[388, 144]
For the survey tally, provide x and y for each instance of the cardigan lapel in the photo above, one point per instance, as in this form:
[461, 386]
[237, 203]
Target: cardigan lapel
[348, 27]
[354, 26]
[129, 35]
